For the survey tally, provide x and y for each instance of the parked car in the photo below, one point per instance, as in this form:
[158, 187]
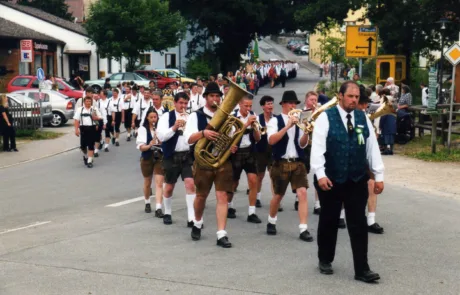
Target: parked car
[176, 74]
[30, 82]
[16, 100]
[63, 107]
[119, 78]
[162, 81]
[302, 50]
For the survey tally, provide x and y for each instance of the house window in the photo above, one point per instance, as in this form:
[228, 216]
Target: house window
[146, 59]
[109, 65]
[170, 60]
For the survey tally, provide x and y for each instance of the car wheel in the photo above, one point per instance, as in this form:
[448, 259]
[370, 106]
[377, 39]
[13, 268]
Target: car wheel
[58, 120]
[97, 88]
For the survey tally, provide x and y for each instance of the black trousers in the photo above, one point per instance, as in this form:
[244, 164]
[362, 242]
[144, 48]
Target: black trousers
[9, 138]
[353, 195]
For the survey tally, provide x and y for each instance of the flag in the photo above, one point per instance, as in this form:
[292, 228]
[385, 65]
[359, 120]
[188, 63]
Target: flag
[256, 49]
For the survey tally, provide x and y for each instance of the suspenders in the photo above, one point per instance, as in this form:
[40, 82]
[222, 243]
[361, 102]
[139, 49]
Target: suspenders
[86, 115]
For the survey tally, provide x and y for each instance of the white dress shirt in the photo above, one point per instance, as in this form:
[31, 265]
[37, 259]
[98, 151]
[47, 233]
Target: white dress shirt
[130, 103]
[115, 105]
[79, 103]
[103, 105]
[86, 120]
[245, 140]
[425, 96]
[272, 128]
[164, 133]
[192, 123]
[196, 101]
[317, 159]
[141, 138]
[141, 107]
[161, 111]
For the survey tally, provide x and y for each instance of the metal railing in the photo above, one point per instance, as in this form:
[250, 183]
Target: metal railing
[26, 116]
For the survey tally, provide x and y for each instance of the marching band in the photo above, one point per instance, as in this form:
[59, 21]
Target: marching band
[209, 137]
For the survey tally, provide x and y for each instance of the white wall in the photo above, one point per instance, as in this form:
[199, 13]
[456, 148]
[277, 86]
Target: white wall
[74, 41]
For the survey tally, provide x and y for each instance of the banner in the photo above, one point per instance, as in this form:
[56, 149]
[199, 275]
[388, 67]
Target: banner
[26, 51]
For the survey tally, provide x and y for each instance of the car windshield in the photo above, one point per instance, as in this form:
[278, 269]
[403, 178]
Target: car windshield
[67, 84]
[141, 77]
[179, 72]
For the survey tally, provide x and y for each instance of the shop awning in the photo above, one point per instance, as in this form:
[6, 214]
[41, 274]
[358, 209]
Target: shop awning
[87, 52]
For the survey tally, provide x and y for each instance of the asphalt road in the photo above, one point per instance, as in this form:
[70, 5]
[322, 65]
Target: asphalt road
[81, 246]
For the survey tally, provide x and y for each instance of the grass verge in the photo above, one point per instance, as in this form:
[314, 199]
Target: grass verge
[420, 148]
[37, 134]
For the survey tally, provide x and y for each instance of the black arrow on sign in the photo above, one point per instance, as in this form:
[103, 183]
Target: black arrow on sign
[369, 47]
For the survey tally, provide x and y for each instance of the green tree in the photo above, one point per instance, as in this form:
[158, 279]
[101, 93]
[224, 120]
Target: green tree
[234, 23]
[331, 49]
[56, 7]
[126, 28]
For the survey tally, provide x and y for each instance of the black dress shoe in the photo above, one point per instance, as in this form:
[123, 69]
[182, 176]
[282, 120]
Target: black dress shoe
[128, 138]
[253, 218]
[196, 233]
[117, 143]
[106, 149]
[148, 209]
[90, 165]
[375, 228]
[15, 150]
[296, 205]
[367, 276]
[317, 211]
[258, 204]
[342, 223]
[305, 236]
[247, 192]
[96, 155]
[224, 243]
[167, 219]
[231, 213]
[271, 229]
[159, 213]
[85, 160]
[190, 224]
[280, 209]
[325, 268]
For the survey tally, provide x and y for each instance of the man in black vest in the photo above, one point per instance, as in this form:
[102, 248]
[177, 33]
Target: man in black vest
[264, 150]
[177, 159]
[288, 142]
[206, 177]
[344, 148]
[244, 158]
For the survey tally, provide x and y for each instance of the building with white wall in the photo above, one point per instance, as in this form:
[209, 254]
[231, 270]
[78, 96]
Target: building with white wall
[65, 53]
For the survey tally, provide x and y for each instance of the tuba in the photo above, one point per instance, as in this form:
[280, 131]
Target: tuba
[168, 100]
[386, 108]
[212, 154]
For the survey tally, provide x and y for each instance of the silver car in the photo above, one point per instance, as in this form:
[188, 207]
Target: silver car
[63, 106]
[16, 100]
[119, 78]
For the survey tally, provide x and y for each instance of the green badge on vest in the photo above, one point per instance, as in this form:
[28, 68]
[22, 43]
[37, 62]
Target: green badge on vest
[359, 132]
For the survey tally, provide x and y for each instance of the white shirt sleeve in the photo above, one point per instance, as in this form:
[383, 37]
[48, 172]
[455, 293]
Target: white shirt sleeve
[318, 147]
[300, 136]
[77, 115]
[374, 157]
[136, 108]
[272, 127]
[141, 138]
[164, 132]
[202, 101]
[191, 127]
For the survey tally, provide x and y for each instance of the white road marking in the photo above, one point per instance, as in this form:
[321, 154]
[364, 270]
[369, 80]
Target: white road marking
[126, 202]
[24, 227]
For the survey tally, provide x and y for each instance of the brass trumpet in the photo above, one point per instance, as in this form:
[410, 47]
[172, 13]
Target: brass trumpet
[295, 113]
[262, 130]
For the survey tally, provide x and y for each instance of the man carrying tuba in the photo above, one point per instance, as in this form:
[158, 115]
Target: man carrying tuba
[205, 177]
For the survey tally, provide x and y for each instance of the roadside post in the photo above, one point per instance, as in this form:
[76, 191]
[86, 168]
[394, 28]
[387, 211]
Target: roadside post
[41, 79]
[453, 56]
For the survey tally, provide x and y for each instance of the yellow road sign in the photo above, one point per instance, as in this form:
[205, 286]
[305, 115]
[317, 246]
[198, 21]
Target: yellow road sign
[361, 41]
[453, 54]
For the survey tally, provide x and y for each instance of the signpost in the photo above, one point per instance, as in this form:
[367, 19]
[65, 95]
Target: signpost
[361, 41]
[432, 86]
[40, 78]
[26, 51]
[453, 56]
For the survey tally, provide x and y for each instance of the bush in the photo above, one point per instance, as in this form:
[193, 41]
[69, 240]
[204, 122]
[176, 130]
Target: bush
[203, 64]
[418, 75]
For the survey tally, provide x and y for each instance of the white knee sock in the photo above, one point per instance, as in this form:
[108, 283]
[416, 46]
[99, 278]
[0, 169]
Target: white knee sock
[90, 159]
[230, 205]
[190, 199]
[272, 220]
[158, 206]
[342, 214]
[259, 195]
[317, 205]
[197, 223]
[221, 234]
[303, 227]
[252, 210]
[96, 151]
[168, 205]
[147, 201]
[370, 218]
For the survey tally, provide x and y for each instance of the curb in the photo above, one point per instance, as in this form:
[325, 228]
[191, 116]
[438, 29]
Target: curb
[44, 157]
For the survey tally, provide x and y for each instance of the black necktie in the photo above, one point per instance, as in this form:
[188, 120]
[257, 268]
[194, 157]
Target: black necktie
[349, 125]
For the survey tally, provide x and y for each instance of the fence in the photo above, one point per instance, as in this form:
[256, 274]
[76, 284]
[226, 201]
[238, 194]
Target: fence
[26, 116]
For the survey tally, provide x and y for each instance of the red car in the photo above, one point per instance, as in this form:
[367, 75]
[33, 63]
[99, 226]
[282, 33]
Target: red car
[162, 81]
[24, 82]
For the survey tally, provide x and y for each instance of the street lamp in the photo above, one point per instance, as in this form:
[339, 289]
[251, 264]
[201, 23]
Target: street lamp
[443, 23]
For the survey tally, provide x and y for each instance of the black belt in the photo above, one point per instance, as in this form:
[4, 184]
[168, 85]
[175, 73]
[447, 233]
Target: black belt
[244, 150]
[289, 160]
